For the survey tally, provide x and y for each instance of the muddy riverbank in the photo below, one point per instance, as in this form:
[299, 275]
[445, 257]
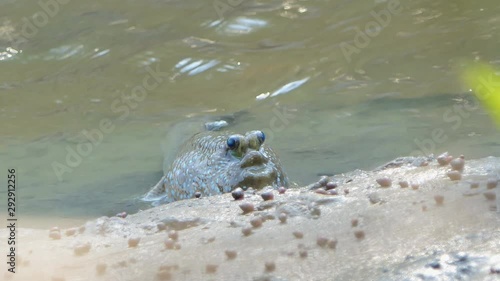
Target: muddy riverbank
[433, 228]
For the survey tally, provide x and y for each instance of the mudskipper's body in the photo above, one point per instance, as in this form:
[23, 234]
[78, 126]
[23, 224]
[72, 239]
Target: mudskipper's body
[213, 162]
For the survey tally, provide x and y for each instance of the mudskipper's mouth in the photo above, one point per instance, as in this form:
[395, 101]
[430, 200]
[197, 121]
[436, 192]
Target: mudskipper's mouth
[257, 171]
[253, 159]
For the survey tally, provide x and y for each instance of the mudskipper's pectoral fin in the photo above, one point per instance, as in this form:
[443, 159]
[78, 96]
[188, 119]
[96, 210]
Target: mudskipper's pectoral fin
[157, 192]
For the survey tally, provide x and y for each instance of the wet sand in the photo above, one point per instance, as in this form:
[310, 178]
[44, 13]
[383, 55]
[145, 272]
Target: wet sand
[433, 229]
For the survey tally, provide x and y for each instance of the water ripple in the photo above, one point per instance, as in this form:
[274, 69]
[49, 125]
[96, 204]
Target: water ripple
[9, 53]
[191, 66]
[284, 89]
[64, 52]
[194, 67]
[100, 53]
[239, 25]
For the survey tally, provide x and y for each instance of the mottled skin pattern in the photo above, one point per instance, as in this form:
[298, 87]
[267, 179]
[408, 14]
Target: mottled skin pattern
[207, 164]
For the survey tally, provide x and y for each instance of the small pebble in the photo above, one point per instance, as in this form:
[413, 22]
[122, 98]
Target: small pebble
[360, 234]
[474, 185]
[231, 254]
[122, 215]
[54, 228]
[414, 185]
[211, 268]
[164, 275]
[238, 194]
[101, 268]
[270, 266]
[70, 231]
[439, 200]
[424, 208]
[169, 243]
[490, 195]
[462, 256]
[174, 235]
[133, 242]
[454, 175]
[354, 222]
[323, 181]
[298, 234]
[247, 207]
[56, 235]
[197, 194]
[330, 185]
[281, 190]
[434, 264]
[403, 184]
[322, 241]
[444, 159]
[303, 253]
[282, 217]
[495, 269]
[256, 222]
[177, 246]
[384, 182]
[82, 248]
[267, 195]
[321, 191]
[491, 183]
[161, 226]
[346, 191]
[457, 164]
[246, 230]
[332, 244]
[333, 192]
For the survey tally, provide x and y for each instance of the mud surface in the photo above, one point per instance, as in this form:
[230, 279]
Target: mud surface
[431, 229]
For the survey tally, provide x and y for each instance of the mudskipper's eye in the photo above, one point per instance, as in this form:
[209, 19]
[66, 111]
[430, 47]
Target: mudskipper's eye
[261, 137]
[233, 142]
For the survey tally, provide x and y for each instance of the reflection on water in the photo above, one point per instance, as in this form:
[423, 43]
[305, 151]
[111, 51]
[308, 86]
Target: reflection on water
[240, 26]
[341, 113]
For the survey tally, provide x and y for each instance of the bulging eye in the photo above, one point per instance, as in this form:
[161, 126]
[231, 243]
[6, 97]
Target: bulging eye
[261, 137]
[233, 142]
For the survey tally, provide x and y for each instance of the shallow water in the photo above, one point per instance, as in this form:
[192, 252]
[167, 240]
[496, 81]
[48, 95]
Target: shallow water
[281, 63]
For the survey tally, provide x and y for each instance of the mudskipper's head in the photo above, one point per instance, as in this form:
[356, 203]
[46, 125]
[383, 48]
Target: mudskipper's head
[251, 163]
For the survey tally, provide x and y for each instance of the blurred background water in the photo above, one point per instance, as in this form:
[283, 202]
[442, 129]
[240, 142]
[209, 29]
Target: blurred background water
[337, 85]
